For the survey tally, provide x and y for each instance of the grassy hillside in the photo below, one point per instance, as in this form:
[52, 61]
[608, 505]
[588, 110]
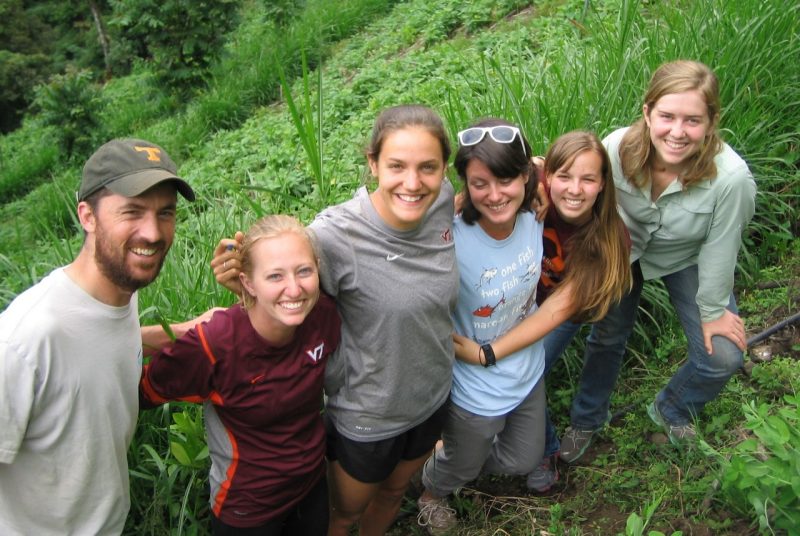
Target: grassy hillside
[250, 146]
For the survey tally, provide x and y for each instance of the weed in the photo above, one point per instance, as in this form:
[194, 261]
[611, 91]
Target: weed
[169, 494]
[762, 475]
[636, 525]
[777, 378]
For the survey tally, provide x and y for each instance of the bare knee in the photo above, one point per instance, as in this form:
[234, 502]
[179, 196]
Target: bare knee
[390, 495]
[341, 521]
[349, 499]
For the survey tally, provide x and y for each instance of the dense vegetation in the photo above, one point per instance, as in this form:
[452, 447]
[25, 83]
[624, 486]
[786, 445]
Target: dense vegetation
[273, 117]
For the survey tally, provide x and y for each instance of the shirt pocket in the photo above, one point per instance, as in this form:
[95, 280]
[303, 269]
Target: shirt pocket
[687, 217]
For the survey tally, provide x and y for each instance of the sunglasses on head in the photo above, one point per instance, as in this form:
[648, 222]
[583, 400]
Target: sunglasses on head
[499, 133]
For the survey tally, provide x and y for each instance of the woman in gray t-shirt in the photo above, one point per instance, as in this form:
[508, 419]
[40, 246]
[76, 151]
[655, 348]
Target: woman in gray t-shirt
[388, 259]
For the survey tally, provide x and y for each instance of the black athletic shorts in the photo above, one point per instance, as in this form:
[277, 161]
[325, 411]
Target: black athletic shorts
[373, 461]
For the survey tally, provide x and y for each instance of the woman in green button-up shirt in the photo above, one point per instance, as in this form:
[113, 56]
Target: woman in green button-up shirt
[686, 197]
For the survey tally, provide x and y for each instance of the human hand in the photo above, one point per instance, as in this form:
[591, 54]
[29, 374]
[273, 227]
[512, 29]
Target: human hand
[730, 326]
[466, 349]
[540, 202]
[227, 263]
[459, 203]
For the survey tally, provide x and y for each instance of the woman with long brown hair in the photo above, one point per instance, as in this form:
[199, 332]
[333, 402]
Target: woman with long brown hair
[585, 265]
[685, 196]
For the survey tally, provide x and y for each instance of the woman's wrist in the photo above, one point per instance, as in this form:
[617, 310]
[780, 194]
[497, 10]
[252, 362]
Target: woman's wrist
[489, 359]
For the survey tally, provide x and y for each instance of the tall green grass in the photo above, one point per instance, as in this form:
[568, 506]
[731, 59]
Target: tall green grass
[595, 78]
[26, 156]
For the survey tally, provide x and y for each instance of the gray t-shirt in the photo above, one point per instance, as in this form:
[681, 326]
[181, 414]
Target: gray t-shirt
[395, 292]
[69, 399]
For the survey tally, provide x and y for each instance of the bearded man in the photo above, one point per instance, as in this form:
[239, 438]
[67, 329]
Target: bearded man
[71, 352]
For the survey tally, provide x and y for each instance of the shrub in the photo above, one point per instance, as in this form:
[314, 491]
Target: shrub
[762, 477]
[282, 11]
[72, 103]
[138, 101]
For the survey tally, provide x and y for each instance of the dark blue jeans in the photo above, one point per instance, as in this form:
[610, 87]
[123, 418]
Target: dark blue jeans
[602, 359]
[697, 381]
[702, 376]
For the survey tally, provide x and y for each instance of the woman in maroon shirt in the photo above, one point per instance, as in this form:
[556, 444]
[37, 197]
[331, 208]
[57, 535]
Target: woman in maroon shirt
[258, 368]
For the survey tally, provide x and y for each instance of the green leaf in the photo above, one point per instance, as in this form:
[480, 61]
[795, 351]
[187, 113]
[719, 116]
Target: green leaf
[634, 525]
[180, 454]
[155, 457]
[757, 470]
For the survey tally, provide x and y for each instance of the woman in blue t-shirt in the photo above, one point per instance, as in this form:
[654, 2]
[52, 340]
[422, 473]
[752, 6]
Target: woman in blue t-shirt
[495, 414]
[584, 272]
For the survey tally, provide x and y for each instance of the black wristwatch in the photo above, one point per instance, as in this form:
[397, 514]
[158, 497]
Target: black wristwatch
[488, 355]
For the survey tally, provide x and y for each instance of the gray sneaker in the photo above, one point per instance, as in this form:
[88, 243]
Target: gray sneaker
[542, 478]
[678, 433]
[574, 443]
[436, 515]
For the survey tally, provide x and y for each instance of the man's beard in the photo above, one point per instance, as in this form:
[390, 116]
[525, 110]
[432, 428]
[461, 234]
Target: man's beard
[111, 262]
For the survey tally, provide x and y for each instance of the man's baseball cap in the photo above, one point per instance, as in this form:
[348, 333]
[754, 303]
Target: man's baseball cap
[129, 167]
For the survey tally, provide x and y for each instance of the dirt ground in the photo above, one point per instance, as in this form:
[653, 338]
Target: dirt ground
[501, 494]
[785, 341]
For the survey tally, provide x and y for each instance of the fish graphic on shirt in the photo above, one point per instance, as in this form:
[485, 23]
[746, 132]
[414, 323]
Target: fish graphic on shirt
[485, 311]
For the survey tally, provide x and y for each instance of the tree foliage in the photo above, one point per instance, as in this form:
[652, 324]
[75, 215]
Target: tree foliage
[18, 74]
[72, 103]
[37, 39]
[23, 60]
[180, 37]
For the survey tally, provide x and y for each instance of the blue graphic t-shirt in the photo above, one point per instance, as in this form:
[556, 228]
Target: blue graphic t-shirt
[497, 289]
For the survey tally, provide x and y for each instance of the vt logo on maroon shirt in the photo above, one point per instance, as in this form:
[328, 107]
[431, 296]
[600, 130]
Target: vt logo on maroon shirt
[316, 353]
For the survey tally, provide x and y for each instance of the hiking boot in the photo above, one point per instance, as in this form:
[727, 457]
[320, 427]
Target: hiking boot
[678, 433]
[436, 515]
[574, 443]
[542, 478]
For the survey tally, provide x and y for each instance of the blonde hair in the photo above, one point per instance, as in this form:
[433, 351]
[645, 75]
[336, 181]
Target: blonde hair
[268, 227]
[597, 265]
[636, 150]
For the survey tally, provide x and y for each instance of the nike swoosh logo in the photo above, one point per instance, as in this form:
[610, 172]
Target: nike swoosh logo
[391, 256]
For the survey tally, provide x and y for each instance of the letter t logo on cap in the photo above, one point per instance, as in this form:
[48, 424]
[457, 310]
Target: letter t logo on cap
[153, 153]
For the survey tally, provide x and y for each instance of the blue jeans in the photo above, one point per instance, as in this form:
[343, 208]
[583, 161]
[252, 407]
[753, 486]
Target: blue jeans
[602, 359]
[698, 380]
[702, 376]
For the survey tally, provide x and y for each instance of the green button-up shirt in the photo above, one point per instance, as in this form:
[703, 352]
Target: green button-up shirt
[702, 225]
